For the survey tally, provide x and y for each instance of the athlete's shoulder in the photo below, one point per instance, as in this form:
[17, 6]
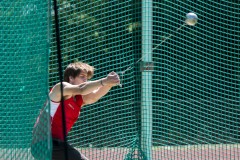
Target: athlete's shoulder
[58, 85]
[55, 92]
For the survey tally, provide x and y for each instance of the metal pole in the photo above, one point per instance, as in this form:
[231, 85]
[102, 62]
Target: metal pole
[146, 68]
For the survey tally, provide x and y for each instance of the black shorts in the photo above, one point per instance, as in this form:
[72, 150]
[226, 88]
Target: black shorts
[58, 151]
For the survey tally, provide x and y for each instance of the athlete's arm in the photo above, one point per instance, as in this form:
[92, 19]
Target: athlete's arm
[70, 90]
[85, 88]
[102, 91]
[96, 95]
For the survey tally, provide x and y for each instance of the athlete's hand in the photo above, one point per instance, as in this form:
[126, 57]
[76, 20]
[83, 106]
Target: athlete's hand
[112, 79]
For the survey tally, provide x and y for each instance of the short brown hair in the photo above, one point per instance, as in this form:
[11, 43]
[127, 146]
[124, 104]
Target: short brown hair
[74, 69]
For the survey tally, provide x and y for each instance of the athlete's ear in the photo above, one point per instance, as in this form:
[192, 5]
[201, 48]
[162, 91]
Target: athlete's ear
[71, 78]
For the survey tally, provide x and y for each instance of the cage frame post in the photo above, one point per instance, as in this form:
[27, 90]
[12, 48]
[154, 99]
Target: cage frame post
[146, 85]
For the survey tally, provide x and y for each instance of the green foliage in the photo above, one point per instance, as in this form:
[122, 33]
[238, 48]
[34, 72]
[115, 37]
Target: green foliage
[91, 30]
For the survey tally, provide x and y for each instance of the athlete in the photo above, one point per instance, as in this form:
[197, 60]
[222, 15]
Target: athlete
[77, 92]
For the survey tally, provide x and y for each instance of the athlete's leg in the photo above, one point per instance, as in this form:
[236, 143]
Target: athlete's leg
[58, 152]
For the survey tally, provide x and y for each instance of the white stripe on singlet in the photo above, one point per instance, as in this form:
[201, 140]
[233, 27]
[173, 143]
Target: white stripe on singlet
[54, 106]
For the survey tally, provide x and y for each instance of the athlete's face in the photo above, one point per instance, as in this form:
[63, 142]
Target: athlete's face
[81, 78]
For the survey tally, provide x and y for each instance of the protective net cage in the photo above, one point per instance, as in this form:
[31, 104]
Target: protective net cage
[191, 91]
[24, 76]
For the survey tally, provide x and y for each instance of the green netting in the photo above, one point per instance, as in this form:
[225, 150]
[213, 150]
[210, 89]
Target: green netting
[24, 85]
[195, 81]
[107, 35]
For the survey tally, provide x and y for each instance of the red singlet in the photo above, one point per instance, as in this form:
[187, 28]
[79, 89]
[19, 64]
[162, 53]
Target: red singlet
[72, 107]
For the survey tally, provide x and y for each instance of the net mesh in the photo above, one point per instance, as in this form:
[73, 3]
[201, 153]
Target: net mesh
[108, 38]
[24, 75]
[195, 82]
